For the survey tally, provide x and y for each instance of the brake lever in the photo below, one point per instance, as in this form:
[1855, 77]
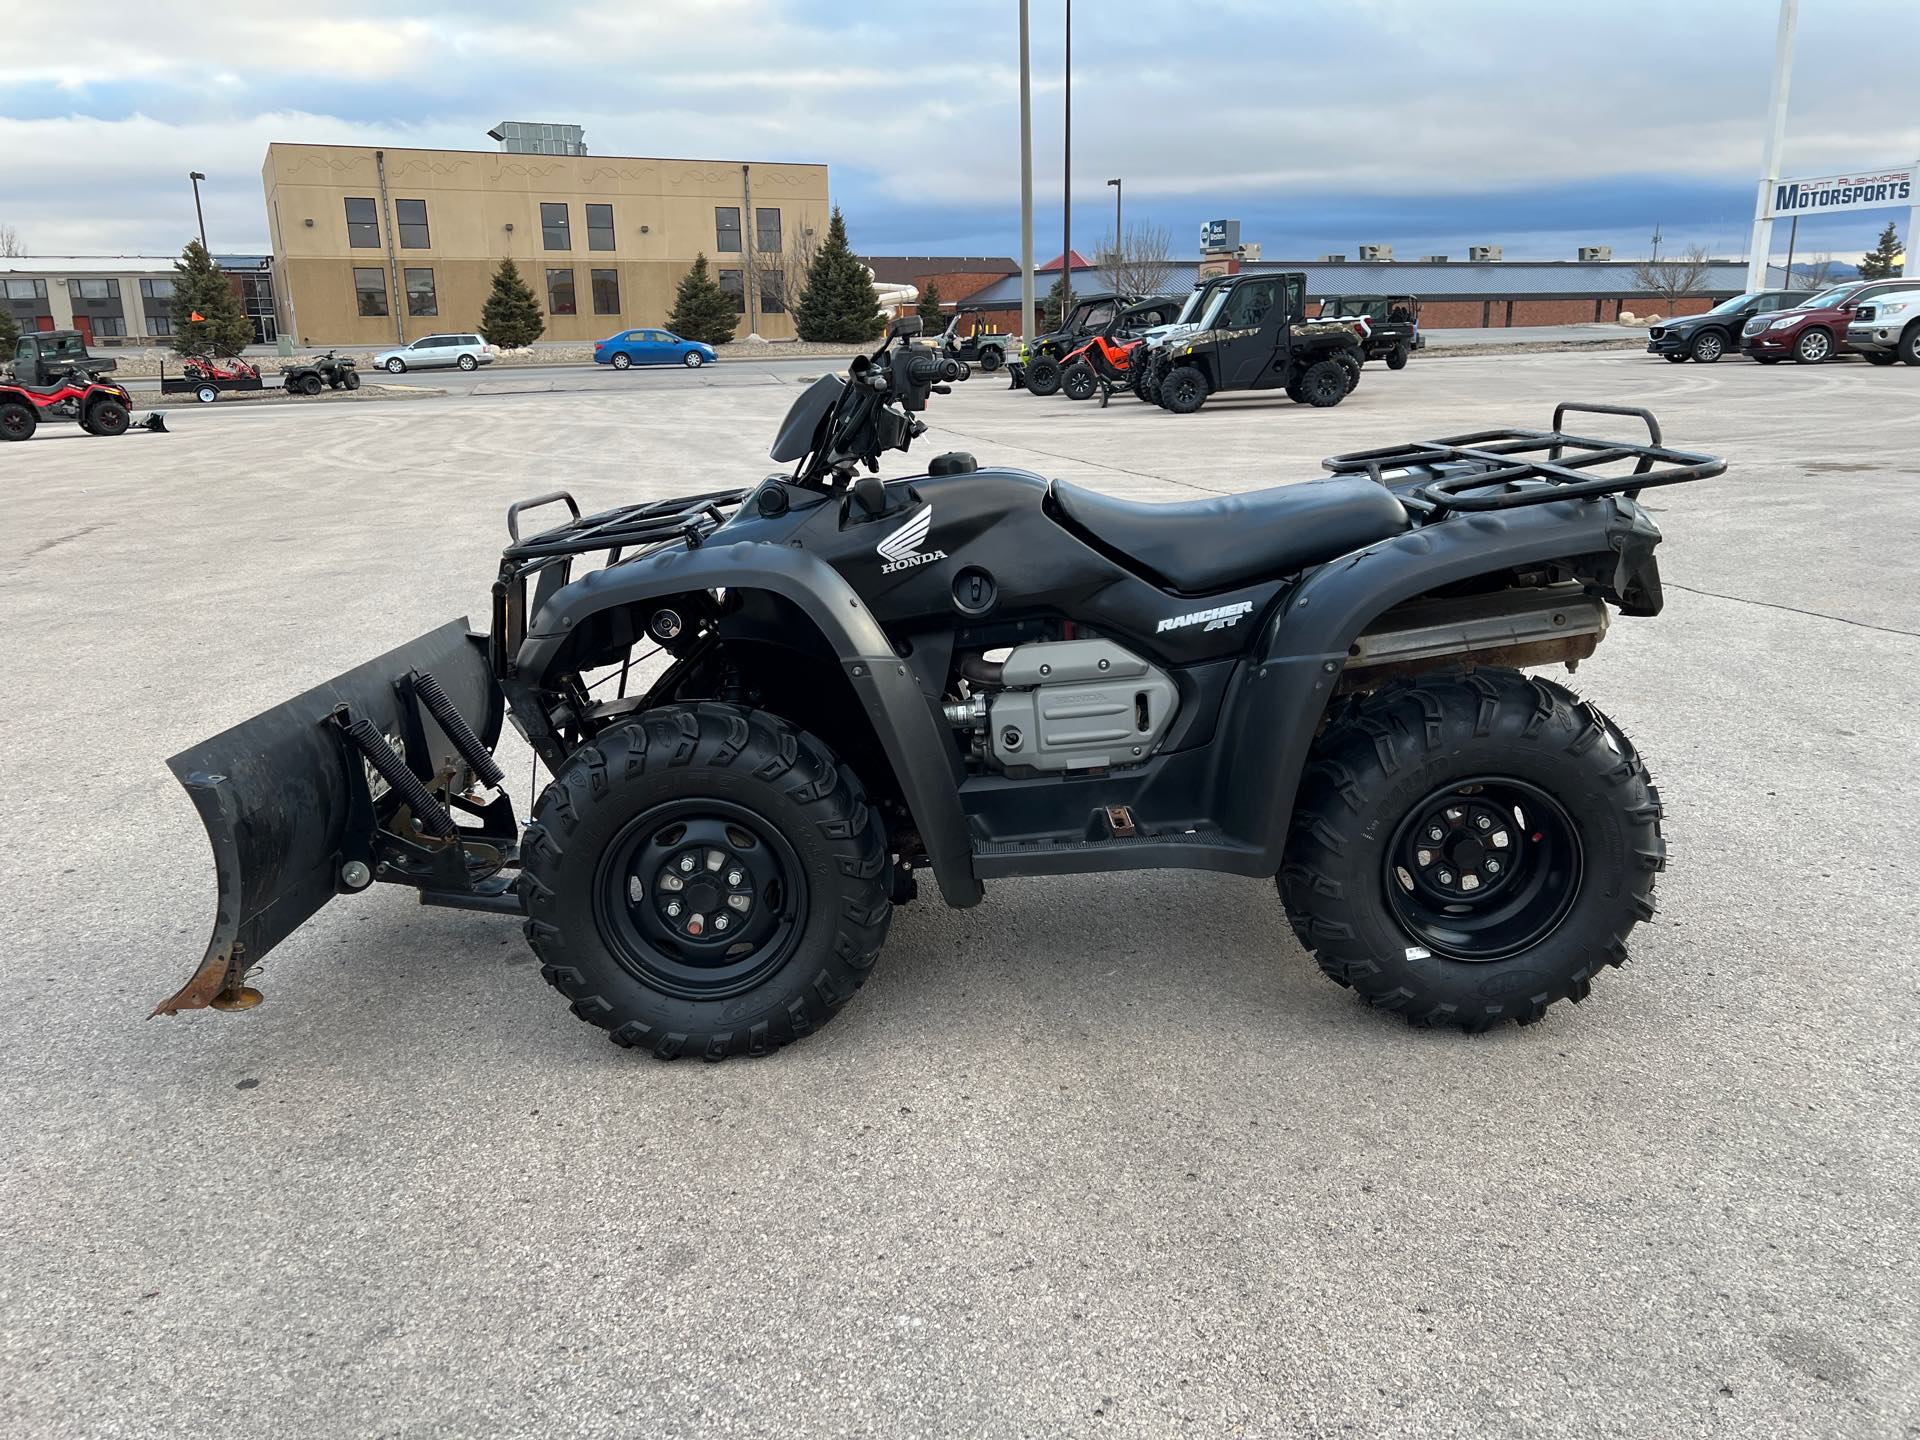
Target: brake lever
[943, 389]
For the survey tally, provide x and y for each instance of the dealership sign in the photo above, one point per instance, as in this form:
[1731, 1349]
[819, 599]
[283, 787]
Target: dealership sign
[1831, 194]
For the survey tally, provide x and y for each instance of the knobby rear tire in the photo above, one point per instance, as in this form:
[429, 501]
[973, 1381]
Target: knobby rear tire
[793, 784]
[1380, 754]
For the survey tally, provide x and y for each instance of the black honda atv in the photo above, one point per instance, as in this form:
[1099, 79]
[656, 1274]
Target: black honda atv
[771, 708]
[1254, 335]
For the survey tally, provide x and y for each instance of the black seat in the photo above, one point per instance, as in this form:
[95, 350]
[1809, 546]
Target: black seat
[1200, 545]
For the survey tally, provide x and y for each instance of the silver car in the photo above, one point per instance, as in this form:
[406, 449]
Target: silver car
[469, 352]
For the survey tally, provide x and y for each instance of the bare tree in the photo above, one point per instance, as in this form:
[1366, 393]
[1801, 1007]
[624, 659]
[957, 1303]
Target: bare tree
[1816, 273]
[10, 241]
[1674, 278]
[803, 243]
[1140, 262]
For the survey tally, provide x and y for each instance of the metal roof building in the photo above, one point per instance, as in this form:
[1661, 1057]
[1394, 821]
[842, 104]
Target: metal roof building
[1455, 293]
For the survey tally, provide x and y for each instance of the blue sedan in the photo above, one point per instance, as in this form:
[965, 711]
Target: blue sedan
[651, 347]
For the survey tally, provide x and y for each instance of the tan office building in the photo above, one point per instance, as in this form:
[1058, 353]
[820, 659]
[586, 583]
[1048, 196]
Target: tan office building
[379, 246]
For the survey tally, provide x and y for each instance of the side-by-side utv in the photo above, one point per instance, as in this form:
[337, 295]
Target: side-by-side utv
[973, 672]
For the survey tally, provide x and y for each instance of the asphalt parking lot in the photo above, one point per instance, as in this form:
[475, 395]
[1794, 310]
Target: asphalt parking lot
[1105, 1155]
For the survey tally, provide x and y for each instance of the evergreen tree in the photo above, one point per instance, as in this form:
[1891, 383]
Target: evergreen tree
[1877, 263]
[9, 336]
[208, 318]
[701, 309]
[511, 318]
[839, 307]
[930, 315]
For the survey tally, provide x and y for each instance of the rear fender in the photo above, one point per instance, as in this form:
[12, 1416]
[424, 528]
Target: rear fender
[1299, 654]
[916, 742]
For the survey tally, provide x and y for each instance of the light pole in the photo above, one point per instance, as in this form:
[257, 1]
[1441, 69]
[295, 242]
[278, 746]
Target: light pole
[197, 177]
[1066, 185]
[1116, 218]
[1026, 184]
[1760, 246]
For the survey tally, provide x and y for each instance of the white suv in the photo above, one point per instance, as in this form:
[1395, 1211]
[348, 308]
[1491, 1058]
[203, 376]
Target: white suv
[469, 352]
[1887, 327]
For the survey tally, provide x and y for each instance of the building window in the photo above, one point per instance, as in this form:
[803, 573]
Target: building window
[156, 290]
[109, 325]
[773, 293]
[370, 289]
[411, 217]
[363, 225]
[600, 227]
[159, 324]
[560, 292]
[726, 228]
[606, 292]
[26, 289]
[420, 297]
[731, 281]
[94, 289]
[554, 234]
[766, 231]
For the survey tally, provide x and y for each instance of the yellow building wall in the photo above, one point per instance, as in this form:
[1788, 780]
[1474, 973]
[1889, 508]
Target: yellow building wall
[485, 205]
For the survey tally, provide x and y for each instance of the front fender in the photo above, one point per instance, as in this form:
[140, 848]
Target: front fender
[916, 742]
[1300, 652]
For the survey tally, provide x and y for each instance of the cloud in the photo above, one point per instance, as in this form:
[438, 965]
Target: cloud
[1283, 113]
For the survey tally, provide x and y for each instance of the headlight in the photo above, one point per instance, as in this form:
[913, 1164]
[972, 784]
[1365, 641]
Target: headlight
[1900, 308]
[1785, 324]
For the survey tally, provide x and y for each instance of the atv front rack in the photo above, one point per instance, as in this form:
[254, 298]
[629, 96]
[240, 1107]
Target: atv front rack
[1504, 469]
[626, 533]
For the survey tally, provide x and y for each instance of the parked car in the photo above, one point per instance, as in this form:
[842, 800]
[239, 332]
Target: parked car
[469, 352]
[1395, 321]
[1887, 327]
[651, 346]
[1817, 330]
[1707, 337]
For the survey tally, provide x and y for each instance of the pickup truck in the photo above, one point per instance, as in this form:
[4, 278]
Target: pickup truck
[1888, 324]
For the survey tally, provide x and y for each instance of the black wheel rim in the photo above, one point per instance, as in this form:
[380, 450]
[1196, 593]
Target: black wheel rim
[1326, 384]
[1186, 392]
[700, 899]
[15, 422]
[1079, 386]
[1462, 890]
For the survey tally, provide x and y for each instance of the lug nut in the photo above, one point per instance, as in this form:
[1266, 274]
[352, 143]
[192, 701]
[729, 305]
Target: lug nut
[1434, 832]
[734, 877]
[1493, 866]
[673, 909]
[719, 922]
[687, 862]
[1483, 822]
[1445, 877]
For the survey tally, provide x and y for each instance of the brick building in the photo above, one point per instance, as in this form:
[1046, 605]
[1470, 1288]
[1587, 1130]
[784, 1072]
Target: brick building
[1454, 294]
[957, 276]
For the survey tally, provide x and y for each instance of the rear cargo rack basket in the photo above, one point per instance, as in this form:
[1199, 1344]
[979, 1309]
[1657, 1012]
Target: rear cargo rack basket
[1504, 469]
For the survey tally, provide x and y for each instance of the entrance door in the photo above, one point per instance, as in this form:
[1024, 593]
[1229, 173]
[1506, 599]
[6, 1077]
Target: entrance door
[84, 324]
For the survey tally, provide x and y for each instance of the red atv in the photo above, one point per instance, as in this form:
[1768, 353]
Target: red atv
[1105, 362]
[100, 408]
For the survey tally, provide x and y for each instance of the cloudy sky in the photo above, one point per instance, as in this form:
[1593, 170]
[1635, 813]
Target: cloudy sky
[1430, 124]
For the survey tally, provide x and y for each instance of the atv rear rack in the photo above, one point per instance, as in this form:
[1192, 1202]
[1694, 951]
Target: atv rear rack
[1490, 469]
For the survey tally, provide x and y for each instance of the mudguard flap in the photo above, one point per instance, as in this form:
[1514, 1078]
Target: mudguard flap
[277, 799]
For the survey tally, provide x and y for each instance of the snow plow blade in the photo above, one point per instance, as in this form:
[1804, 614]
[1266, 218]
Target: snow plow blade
[301, 804]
